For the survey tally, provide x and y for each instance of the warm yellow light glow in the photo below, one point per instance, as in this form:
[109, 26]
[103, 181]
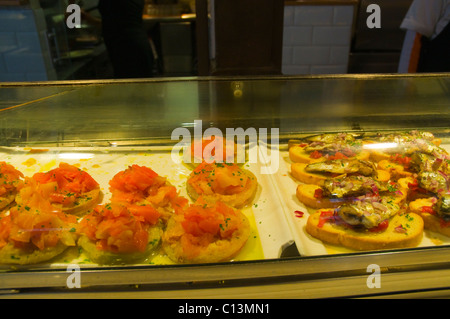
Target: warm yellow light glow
[76, 156]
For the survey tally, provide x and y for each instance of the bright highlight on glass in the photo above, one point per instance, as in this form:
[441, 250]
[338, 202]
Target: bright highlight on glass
[380, 146]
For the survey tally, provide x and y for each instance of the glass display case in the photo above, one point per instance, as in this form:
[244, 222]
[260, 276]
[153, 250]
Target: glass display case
[105, 127]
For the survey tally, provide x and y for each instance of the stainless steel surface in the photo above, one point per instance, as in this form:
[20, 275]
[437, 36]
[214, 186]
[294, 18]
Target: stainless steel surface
[128, 112]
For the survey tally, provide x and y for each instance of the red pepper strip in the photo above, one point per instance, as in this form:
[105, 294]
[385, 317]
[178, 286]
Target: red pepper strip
[381, 226]
[428, 209]
[318, 193]
[325, 216]
[299, 214]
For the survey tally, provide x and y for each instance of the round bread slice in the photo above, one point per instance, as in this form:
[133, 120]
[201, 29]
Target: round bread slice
[404, 231]
[297, 154]
[396, 170]
[377, 156]
[412, 188]
[298, 171]
[68, 188]
[103, 257]
[11, 180]
[306, 194]
[18, 256]
[310, 195]
[431, 220]
[236, 200]
[84, 202]
[218, 250]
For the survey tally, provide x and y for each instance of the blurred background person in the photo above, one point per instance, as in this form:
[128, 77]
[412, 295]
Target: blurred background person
[427, 41]
[125, 38]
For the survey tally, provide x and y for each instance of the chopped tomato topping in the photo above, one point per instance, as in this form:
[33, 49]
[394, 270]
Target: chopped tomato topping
[134, 178]
[381, 226]
[203, 224]
[10, 178]
[337, 155]
[414, 187]
[35, 223]
[179, 202]
[164, 195]
[315, 155]
[135, 184]
[66, 182]
[139, 184]
[214, 149]
[5, 229]
[118, 228]
[217, 220]
[225, 179]
[401, 159]
[145, 213]
[428, 209]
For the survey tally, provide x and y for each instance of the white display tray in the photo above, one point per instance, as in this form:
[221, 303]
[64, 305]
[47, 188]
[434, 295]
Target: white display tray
[270, 231]
[286, 185]
[274, 221]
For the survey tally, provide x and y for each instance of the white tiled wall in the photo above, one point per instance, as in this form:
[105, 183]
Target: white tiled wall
[316, 39]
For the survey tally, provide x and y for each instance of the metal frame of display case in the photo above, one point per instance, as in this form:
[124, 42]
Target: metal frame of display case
[415, 273]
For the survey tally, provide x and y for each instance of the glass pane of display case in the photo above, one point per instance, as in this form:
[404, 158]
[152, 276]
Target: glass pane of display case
[105, 127]
[149, 109]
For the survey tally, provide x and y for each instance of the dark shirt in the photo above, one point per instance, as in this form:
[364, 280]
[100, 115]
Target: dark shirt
[121, 15]
[126, 40]
[435, 53]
